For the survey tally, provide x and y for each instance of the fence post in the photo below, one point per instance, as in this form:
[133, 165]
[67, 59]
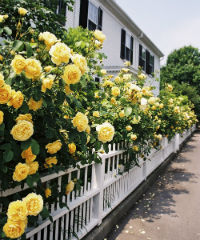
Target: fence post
[98, 199]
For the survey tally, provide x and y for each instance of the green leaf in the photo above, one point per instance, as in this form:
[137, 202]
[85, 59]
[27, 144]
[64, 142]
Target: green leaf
[29, 50]
[128, 111]
[8, 156]
[6, 146]
[35, 147]
[30, 181]
[25, 145]
[2, 128]
[18, 45]
[4, 169]
[44, 213]
[7, 30]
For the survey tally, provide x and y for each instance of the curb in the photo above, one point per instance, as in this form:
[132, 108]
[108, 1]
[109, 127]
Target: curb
[100, 232]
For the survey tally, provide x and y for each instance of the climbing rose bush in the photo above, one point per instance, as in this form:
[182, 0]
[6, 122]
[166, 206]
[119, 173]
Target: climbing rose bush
[53, 116]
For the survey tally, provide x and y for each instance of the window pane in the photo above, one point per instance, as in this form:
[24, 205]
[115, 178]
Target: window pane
[93, 13]
[91, 26]
[128, 40]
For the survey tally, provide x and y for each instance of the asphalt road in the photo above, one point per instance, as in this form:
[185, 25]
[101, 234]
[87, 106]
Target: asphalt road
[170, 210]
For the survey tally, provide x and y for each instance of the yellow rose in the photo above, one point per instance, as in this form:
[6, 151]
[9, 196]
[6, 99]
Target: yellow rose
[127, 77]
[18, 64]
[169, 87]
[113, 100]
[16, 100]
[28, 155]
[33, 69]
[88, 129]
[118, 80]
[1, 18]
[47, 83]
[72, 74]
[133, 137]
[48, 68]
[34, 204]
[17, 211]
[161, 105]
[5, 94]
[13, 229]
[49, 162]
[103, 71]
[1, 80]
[115, 91]
[34, 105]
[27, 117]
[105, 132]
[96, 94]
[33, 168]
[69, 187]
[128, 128]
[72, 148]
[159, 136]
[142, 76]
[21, 172]
[99, 36]
[122, 114]
[125, 70]
[80, 62]
[80, 121]
[127, 63]
[22, 11]
[47, 192]
[48, 38]
[96, 114]
[54, 147]
[68, 90]
[1, 117]
[135, 148]
[108, 83]
[136, 120]
[152, 100]
[60, 53]
[22, 131]
[5, 16]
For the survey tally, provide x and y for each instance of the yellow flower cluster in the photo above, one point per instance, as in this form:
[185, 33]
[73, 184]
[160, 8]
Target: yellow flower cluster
[80, 121]
[54, 147]
[48, 38]
[22, 131]
[17, 214]
[72, 148]
[69, 187]
[72, 74]
[34, 105]
[47, 83]
[99, 36]
[3, 18]
[30, 66]
[105, 132]
[49, 162]
[1, 117]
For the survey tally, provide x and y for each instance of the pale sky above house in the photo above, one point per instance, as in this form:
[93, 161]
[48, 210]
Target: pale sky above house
[170, 24]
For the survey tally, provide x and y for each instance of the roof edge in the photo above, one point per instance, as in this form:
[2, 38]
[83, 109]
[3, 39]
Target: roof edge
[115, 8]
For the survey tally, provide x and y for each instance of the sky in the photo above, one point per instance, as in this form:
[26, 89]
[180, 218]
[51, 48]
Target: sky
[170, 24]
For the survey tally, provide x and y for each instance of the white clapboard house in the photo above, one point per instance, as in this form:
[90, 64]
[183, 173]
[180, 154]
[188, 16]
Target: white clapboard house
[124, 39]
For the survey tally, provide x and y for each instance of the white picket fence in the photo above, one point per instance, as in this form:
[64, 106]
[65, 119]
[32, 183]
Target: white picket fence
[103, 189]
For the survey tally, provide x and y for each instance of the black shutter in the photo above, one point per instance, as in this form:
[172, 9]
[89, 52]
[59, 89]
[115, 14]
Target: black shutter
[131, 49]
[152, 71]
[148, 68]
[83, 13]
[100, 18]
[140, 56]
[123, 44]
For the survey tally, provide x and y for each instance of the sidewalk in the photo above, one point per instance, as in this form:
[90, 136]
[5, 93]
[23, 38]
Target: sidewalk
[170, 210]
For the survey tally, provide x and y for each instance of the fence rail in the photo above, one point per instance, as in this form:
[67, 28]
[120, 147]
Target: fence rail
[102, 191]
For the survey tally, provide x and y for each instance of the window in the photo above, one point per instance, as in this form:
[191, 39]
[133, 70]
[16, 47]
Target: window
[146, 60]
[58, 6]
[126, 46]
[142, 57]
[90, 16]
